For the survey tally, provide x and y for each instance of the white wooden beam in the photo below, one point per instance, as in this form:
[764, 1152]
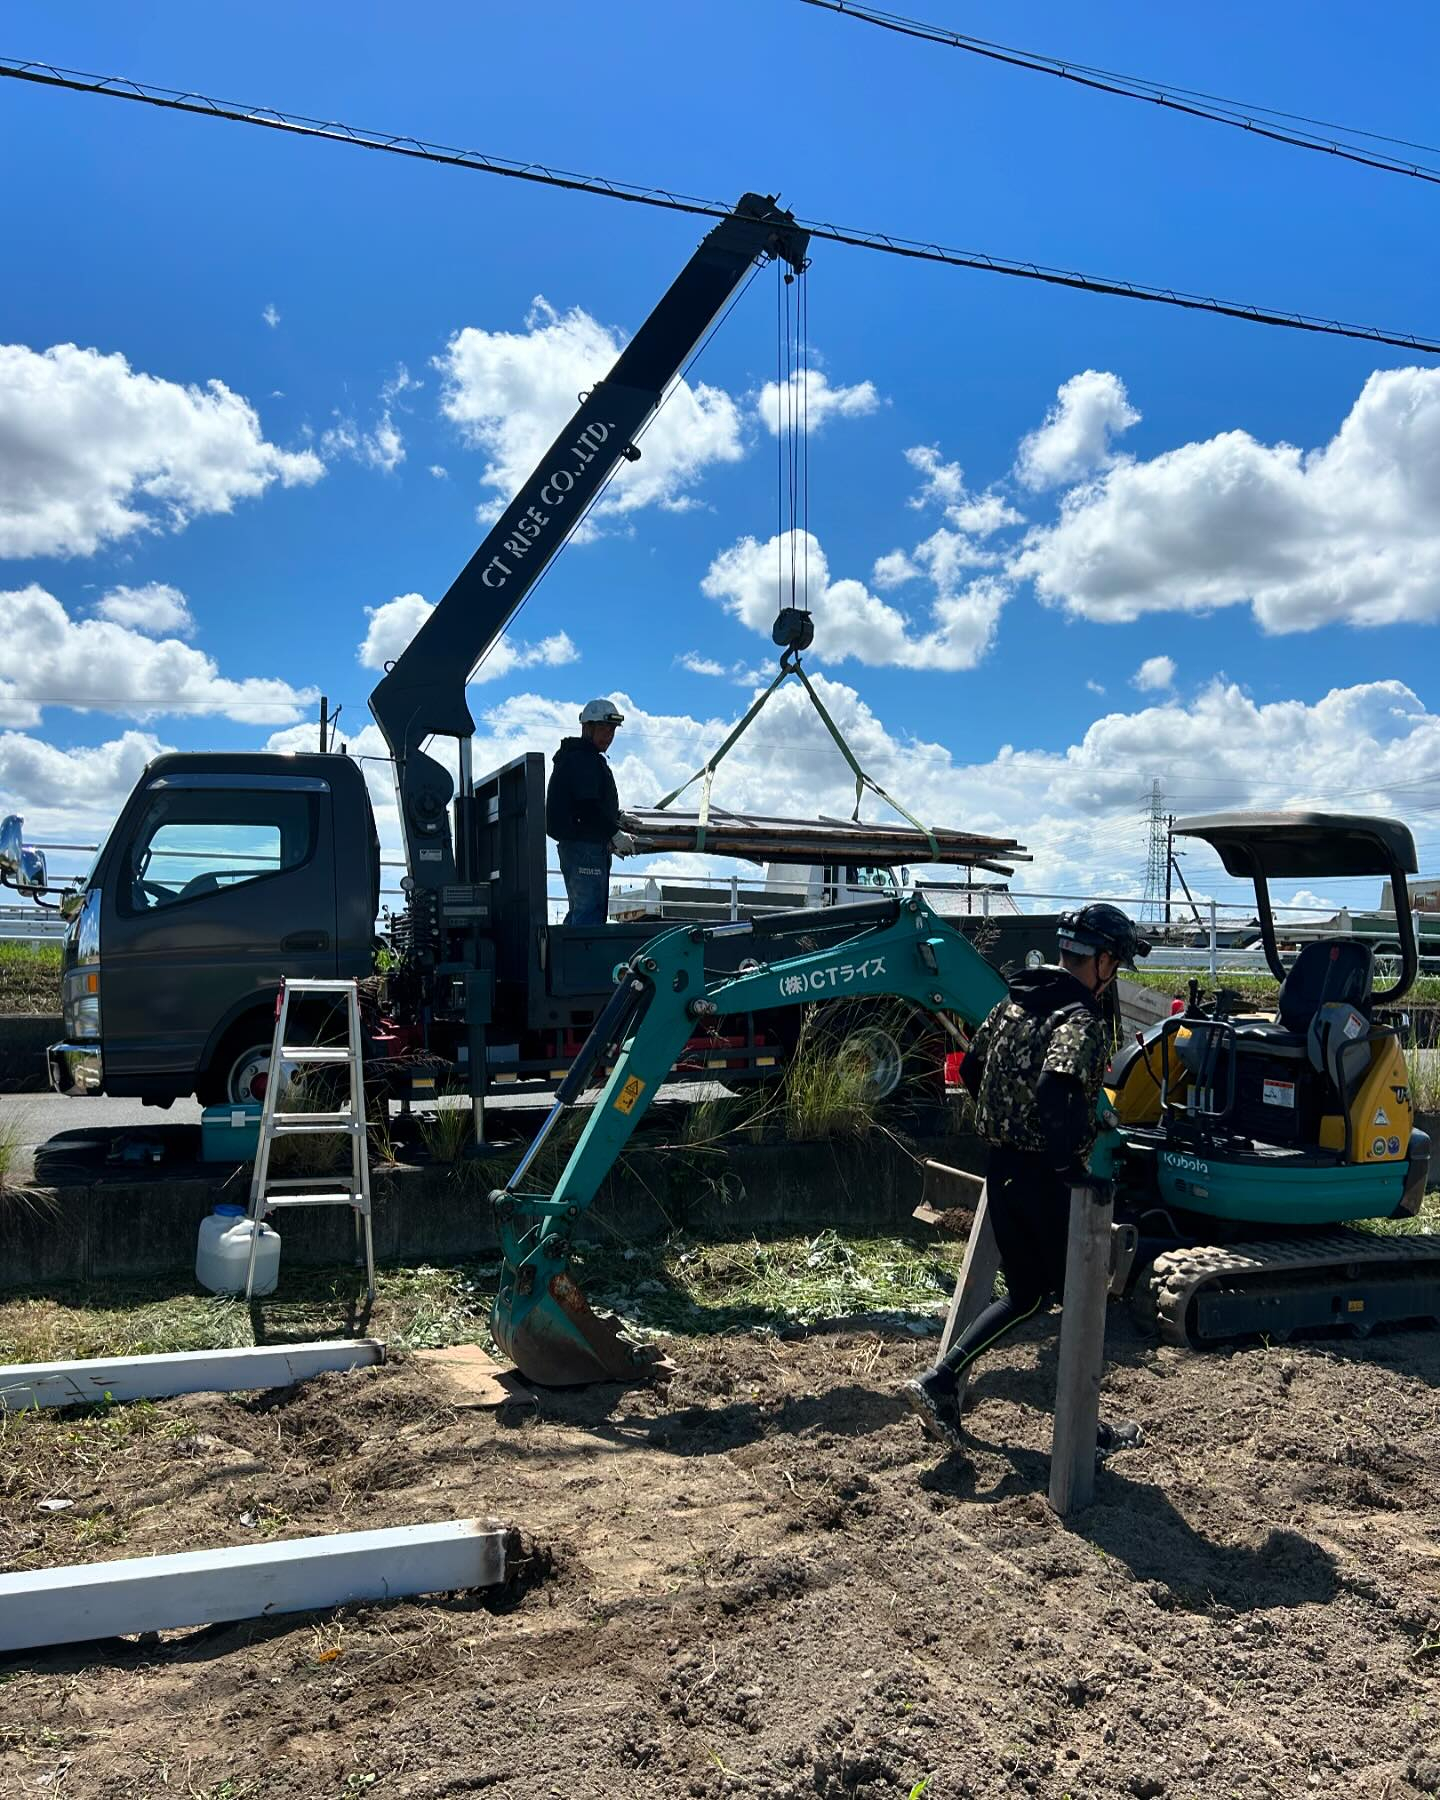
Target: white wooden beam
[24, 1385]
[205, 1587]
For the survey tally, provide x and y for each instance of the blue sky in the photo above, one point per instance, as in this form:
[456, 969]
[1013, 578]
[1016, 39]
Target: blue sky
[164, 239]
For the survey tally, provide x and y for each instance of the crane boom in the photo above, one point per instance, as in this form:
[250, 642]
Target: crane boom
[423, 693]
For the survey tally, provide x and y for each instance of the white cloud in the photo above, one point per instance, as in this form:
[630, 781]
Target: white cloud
[894, 569]
[1075, 809]
[1349, 532]
[49, 659]
[402, 382]
[751, 580]
[1095, 687]
[439, 471]
[73, 794]
[1155, 673]
[944, 485]
[511, 392]
[815, 404]
[271, 314]
[1089, 409]
[393, 624]
[92, 451]
[382, 448]
[156, 609]
[702, 665]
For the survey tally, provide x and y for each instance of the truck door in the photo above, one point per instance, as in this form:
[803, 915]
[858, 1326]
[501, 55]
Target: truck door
[218, 885]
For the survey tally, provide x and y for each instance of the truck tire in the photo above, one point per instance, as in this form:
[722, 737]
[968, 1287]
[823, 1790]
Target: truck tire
[241, 1061]
[902, 1051]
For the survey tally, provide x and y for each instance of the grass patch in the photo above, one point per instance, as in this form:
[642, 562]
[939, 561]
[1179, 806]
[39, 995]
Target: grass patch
[11, 1135]
[29, 978]
[679, 1285]
[420, 1306]
[1251, 985]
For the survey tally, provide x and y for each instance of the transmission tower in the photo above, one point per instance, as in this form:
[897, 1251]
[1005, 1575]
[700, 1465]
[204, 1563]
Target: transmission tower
[1157, 851]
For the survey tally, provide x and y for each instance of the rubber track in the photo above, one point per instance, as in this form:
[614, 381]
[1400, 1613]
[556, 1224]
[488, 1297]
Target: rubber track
[1176, 1277]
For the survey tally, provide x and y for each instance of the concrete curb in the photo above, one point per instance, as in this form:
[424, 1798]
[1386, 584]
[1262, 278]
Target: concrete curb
[103, 1229]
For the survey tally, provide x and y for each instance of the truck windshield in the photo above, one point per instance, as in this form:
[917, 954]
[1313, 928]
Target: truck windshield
[190, 844]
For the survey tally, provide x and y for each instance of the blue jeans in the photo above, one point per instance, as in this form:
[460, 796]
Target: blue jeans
[586, 868]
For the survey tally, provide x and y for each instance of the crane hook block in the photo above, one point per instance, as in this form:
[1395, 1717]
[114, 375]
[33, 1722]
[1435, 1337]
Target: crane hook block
[793, 629]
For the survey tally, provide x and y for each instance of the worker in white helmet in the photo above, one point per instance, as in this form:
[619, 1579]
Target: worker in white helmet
[582, 813]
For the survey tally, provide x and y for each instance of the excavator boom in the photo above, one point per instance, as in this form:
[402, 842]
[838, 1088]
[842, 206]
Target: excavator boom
[898, 948]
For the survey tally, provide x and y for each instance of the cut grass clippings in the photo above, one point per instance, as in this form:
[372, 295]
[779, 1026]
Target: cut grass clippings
[679, 1285]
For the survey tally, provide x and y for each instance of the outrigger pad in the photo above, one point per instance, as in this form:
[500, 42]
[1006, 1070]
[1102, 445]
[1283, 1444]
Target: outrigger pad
[559, 1341]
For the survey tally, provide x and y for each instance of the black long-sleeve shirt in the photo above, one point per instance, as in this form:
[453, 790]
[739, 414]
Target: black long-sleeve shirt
[581, 803]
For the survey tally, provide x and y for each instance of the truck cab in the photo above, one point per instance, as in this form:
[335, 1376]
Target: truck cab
[222, 873]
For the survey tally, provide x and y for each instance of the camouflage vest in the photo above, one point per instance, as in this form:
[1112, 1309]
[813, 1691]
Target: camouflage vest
[1016, 1047]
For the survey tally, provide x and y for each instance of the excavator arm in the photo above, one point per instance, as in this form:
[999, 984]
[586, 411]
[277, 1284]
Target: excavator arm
[423, 693]
[662, 998]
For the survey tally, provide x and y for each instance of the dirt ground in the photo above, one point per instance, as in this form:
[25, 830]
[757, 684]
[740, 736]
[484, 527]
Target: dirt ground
[766, 1582]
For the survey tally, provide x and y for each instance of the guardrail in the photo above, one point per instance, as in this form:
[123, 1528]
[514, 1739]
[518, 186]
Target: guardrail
[1296, 923]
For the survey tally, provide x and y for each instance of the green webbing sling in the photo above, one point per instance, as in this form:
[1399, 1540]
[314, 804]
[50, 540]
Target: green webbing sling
[862, 780]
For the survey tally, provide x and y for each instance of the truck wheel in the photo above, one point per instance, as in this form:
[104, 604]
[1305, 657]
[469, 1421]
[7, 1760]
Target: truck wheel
[248, 1074]
[878, 1052]
[240, 1070]
[901, 1054]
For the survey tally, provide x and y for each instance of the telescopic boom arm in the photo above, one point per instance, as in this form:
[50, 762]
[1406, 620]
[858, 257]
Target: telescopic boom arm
[424, 691]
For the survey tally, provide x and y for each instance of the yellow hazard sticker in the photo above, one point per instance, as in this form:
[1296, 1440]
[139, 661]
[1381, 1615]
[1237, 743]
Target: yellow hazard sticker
[629, 1094]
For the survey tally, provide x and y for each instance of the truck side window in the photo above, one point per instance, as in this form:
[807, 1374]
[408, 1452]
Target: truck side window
[190, 844]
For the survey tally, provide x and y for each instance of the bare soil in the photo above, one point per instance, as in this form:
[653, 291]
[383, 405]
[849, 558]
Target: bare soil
[766, 1582]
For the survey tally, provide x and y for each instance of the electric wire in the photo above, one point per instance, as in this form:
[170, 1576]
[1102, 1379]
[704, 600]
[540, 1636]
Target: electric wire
[1189, 101]
[882, 242]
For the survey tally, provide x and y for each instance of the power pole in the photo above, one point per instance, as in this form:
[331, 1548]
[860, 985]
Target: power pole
[1169, 861]
[1156, 849]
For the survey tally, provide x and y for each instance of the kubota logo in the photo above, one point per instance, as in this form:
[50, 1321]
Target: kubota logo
[1192, 1165]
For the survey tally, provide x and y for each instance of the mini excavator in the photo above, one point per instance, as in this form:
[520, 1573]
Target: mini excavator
[1245, 1142]
[1238, 1144]
[875, 948]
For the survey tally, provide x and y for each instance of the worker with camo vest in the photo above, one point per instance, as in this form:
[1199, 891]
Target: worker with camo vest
[1034, 1069]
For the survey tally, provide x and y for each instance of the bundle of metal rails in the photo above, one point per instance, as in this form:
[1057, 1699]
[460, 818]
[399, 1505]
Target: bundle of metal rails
[824, 840]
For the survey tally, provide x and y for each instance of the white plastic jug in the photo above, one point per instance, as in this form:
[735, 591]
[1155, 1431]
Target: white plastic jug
[222, 1254]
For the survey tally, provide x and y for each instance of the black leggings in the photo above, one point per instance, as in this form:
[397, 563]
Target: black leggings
[1029, 1205]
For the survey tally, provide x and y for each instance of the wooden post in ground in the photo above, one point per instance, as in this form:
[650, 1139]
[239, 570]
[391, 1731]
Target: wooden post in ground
[976, 1286]
[1082, 1348]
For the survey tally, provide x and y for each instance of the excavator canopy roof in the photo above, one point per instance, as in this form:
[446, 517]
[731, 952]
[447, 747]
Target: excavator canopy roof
[1297, 845]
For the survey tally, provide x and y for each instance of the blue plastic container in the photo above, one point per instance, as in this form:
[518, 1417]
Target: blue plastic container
[230, 1133]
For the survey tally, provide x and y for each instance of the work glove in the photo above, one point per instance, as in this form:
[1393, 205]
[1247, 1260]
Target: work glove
[623, 844]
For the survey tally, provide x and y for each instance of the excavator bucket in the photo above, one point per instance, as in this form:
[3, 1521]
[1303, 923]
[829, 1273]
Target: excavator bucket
[554, 1338]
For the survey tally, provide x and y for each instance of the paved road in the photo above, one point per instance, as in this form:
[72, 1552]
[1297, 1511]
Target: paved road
[88, 1128]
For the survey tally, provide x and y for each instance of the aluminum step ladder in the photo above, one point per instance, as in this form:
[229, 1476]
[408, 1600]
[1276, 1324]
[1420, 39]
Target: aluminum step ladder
[267, 1193]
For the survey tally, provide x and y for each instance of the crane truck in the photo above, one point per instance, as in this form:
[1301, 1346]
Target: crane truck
[226, 872]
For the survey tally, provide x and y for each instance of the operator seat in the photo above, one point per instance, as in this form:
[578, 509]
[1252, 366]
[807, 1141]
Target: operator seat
[1327, 971]
[1322, 1016]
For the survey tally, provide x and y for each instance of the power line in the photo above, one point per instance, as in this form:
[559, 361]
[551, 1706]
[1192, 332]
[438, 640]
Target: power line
[887, 243]
[1301, 133]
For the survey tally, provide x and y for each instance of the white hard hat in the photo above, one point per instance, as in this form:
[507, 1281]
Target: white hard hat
[601, 712]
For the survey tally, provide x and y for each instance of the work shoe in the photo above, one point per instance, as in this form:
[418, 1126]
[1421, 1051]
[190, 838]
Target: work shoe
[1124, 1436]
[938, 1407]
